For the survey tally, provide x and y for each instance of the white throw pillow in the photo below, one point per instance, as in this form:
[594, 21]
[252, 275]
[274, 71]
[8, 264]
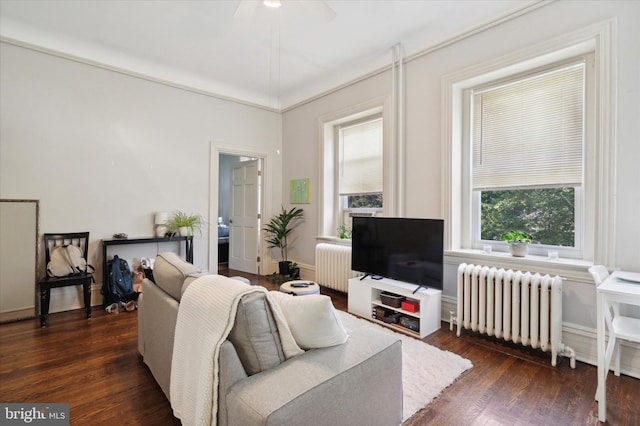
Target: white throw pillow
[312, 319]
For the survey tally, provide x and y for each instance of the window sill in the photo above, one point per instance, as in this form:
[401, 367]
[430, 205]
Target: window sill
[576, 269]
[333, 240]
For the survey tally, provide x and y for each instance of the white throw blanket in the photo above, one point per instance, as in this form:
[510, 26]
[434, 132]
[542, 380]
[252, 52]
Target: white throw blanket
[206, 316]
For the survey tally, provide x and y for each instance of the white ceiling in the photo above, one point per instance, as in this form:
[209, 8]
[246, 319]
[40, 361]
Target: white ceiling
[269, 57]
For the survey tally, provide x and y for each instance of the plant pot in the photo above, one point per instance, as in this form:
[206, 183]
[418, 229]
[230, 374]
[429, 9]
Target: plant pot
[294, 273]
[183, 231]
[518, 249]
[283, 267]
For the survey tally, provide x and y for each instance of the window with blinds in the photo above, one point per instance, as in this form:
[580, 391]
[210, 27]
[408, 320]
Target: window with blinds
[361, 158]
[529, 133]
[360, 165]
[527, 145]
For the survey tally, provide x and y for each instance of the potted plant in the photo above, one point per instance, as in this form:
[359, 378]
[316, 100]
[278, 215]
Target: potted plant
[278, 230]
[185, 224]
[294, 271]
[344, 233]
[518, 242]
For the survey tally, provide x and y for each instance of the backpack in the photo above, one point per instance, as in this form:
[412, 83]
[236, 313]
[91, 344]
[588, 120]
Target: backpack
[119, 286]
[67, 260]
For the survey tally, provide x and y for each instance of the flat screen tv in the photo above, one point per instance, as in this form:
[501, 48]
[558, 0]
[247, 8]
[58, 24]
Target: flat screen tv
[403, 249]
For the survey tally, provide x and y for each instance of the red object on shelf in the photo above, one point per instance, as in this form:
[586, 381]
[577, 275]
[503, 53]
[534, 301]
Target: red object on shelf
[410, 305]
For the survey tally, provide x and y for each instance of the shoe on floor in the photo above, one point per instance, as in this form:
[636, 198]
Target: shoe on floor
[112, 308]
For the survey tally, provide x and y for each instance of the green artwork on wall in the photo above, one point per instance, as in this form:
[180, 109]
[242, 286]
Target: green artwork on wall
[300, 191]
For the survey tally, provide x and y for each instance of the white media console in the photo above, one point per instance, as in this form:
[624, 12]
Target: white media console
[364, 298]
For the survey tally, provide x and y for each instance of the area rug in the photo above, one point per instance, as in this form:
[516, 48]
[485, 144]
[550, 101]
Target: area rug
[426, 370]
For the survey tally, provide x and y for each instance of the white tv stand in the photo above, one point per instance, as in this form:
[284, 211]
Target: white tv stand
[364, 297]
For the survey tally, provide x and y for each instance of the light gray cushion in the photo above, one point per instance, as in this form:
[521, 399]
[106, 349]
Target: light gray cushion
[312, 319]
[255, 335]
[170, 271]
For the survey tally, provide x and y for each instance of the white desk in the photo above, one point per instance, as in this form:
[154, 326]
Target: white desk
[612, 290]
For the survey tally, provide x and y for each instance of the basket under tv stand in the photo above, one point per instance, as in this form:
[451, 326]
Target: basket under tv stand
[364, 301]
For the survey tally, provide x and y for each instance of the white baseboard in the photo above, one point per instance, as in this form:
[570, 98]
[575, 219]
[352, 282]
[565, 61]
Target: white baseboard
[307, 272]
[583, 340]
[69, 298]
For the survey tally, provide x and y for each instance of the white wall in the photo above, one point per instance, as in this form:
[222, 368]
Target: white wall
[424, 169]
[103, 151]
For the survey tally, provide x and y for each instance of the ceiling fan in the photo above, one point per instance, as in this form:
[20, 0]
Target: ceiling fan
[296, 9]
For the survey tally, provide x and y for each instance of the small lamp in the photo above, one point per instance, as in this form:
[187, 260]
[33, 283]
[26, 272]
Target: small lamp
[160, 219]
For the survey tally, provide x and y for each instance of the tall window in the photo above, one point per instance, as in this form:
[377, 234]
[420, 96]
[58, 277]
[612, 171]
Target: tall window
[572, 216]
[360, 166]
[527, 139]
[357, 176]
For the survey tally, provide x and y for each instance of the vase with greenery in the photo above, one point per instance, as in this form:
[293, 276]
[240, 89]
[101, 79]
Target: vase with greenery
[185, 224]
[278, 231]
[518, 242]
[344, 233]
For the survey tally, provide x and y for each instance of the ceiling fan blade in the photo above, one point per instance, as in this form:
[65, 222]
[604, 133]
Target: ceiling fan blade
[319, 9]
[246, 8]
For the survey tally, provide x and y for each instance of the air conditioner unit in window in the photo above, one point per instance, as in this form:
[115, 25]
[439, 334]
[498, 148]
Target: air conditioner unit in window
[348, 215]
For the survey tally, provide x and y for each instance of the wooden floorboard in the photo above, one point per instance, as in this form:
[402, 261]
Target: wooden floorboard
[94, 365]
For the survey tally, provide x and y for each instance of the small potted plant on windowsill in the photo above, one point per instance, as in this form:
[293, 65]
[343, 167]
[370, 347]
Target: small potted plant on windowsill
[344, 233]
[518, 242]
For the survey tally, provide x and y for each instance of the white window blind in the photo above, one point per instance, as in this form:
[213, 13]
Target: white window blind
[529, 133]
[361, 158]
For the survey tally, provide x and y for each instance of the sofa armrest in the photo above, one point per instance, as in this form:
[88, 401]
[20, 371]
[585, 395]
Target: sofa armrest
[230, 373]
[157, 316]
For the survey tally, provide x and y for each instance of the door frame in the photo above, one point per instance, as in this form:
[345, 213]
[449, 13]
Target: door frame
[265, 197]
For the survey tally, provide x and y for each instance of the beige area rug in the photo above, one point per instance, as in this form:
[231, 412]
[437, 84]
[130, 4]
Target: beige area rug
[426, 370]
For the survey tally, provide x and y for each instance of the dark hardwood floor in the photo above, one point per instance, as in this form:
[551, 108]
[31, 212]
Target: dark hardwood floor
[94, 366]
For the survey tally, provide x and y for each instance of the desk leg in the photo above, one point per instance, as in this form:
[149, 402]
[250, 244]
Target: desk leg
[188, 243]
[601, 392]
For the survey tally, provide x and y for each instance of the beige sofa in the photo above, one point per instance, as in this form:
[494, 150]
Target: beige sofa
[353, 383]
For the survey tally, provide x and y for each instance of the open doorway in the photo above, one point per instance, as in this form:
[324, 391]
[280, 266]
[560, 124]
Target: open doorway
[239, 209]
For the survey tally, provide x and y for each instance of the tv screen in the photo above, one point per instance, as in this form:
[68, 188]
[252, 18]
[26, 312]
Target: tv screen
[403, 249]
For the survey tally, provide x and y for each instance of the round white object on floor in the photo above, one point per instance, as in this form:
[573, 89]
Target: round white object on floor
[300, 287]
[243, 279]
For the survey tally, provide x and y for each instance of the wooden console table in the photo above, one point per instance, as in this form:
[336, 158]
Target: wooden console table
[188, 241]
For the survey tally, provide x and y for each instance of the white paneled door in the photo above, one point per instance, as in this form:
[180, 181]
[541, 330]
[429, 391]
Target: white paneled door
[245, 208]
